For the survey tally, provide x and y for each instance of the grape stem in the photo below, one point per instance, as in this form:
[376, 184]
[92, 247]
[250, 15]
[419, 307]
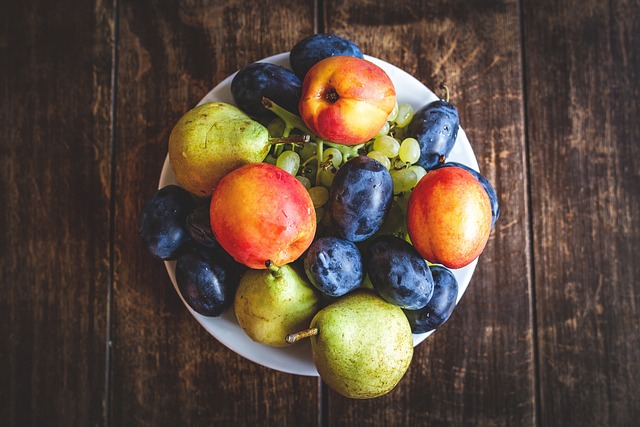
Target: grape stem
[291, 121]
[297, 336]
[327, 163]
[319, 151]
[399, 164]
[348, 151]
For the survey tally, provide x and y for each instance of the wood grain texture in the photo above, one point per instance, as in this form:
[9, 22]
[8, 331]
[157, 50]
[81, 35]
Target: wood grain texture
[167, 370]
[479, 368]
[55, 93]
[92, 332]
[582, 85]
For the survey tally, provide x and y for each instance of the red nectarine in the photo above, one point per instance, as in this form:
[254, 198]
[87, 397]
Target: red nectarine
[346, 99]
[261, 213]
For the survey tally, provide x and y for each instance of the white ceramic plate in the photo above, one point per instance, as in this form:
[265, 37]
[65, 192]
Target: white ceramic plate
[297, 359]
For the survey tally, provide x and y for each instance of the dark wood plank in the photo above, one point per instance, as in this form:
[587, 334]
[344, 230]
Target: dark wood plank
[582, 65]
[167, 370]
[479, 368]
[55, 95]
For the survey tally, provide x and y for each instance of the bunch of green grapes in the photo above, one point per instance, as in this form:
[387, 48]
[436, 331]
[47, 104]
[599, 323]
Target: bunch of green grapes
[315, 163]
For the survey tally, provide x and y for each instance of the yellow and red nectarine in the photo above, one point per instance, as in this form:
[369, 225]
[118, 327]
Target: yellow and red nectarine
[346, 100]
[449, 217]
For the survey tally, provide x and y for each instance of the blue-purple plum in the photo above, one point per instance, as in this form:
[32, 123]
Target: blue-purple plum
[334, 266]
[311, 50]
[161, 222]
[207, 279]
[439, 308]
[398, 272]
[435, 126]
[272, 81]
[360, 198]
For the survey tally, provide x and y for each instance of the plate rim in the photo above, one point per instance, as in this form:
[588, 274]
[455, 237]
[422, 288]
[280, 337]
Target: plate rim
[167, 177]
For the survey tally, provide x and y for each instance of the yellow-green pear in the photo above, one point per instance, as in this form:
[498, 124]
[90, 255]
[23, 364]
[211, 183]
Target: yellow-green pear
[210, 141]
[362, 345]
[270, 304]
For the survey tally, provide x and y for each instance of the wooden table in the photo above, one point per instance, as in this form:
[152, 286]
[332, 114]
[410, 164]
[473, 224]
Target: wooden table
[91, 329]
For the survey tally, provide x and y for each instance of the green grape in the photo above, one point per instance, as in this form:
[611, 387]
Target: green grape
[405, 114]
[393, 114]
[419, 171]
[403, 180]
[326, 177]
[319, 196]
[308, 150]
[387, 145]
[289, 161]
[304, 181]
[385, 129]
[409, 150]
[334, 155]
[376, 155]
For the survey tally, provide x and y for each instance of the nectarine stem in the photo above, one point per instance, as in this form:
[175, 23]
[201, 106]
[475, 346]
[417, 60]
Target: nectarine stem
[331, 95]
[297, 336]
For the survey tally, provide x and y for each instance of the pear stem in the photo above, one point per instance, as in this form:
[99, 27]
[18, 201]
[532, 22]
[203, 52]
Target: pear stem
[297, 336]
[275, 270]
[291, 139]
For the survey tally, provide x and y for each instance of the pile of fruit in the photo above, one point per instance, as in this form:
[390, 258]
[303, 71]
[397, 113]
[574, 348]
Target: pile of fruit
[318, 207]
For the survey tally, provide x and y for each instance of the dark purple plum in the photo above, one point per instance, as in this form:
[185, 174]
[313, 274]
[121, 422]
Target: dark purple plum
[435, 126]
[262, 79]
[398, 272]
[311, 50]
[441, 305]
[199, 227]
[334, 266]
[207, 279]
[491, 192]
[161, 223]
[360, 198]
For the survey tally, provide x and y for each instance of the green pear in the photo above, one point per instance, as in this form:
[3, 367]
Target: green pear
[270, 304]
[362, 345]
[210, 141]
